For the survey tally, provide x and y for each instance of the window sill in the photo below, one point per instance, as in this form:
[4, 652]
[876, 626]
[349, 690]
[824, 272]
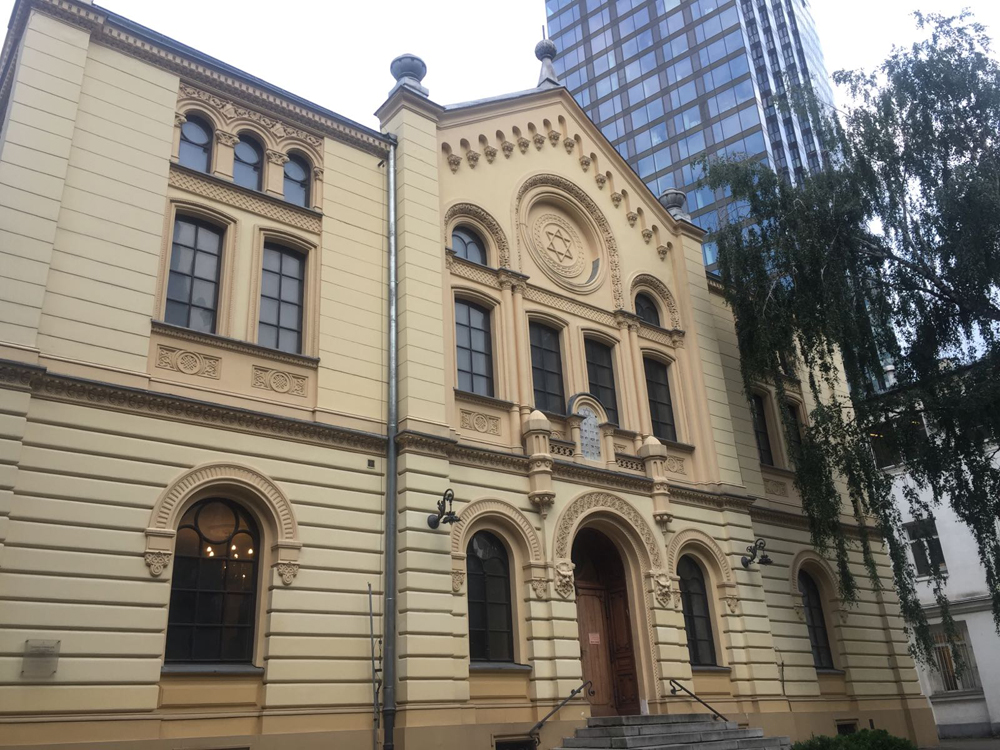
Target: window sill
[685, 447]
[955, 695]
[709, 668]
[475, 398]
[780, 471]
[224, 342]
[498, 666]
[212, 669]
[832, 671]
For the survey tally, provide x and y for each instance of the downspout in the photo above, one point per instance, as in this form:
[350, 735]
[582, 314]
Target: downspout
[392, 427]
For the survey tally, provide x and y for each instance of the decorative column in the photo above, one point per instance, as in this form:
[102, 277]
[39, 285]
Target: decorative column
[317, 188]
[175, 149]
[274, 179]
[608, 441]
[537, 431]
[225, 143]
[523, 352]
[645, 423]
[624, 320]
[653, 455]
[512, 349]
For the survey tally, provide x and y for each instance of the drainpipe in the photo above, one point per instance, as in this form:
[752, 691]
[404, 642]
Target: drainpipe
[389, 612]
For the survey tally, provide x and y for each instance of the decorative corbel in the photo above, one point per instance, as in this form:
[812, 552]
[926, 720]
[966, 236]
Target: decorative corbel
[473, 158]
[585, 163]
[647, 235]
[662, 250]
[491, 153]
[454, 161]
[616, 199]
[508, 148]
[523, 143]
[554, 136]
[539, 140]
[632, 217]
[601, 181]
[565, 584]
[569, 144]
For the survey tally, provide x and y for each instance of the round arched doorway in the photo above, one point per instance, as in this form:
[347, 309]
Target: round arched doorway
[604, 621]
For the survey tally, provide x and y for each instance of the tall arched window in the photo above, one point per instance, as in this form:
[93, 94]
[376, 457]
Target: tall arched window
[297, 180]
[646, 309]
[467, 244]
[193, 283]
[697, 615]
[473, 348]
[812, 606]
[491, 637]
[601, 376]
[661, 408]
[248, 163]
[546, 368]
[196, 144]
[213, 589]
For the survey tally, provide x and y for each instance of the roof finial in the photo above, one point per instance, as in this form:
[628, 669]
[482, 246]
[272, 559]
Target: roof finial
[409, 70]
[545, 50]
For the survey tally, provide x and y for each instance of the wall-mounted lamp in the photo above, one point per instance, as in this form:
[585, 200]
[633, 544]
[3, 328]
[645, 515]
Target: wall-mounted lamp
[436, 519]
[754, 549]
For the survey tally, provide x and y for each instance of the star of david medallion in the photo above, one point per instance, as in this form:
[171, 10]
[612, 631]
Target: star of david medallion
[559, 246]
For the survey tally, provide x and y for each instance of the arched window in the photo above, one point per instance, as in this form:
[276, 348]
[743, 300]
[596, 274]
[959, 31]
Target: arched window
[812, 606]
[297, 179]
[546, 368]
[213, 589]
[601, 376]
[697, 616]
[646, 309]
[760, 430]
[473, 348]
[248, 163]
[196, 144]
[467, 244]
[193, 283]
[491, 636]
[281, 299]
[661, 409]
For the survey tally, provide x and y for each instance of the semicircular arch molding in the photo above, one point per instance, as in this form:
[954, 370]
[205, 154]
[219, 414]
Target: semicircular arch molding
[610, 507]
[484, 221]
[645, 281]
[570, 189]
[707, 545]
[227, 479]
[813, 562]
[504, 513]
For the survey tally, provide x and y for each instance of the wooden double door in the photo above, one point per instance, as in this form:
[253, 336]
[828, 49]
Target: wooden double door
[605, 626]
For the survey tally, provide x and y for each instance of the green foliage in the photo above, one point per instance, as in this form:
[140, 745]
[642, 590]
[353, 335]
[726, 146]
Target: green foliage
[890, 254]
[866, 739]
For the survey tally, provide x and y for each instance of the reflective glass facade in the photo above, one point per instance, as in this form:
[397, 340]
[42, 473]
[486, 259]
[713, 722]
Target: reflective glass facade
[668, 80]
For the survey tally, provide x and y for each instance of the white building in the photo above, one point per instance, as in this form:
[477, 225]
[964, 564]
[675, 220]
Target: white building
[965, 704]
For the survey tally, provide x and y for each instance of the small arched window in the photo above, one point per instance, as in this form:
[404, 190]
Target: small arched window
[646, 309]
[213, 589]
[697, 615]
[297, 180]
[469, 245]
[473, 348]
[812, 606]
[196, 144]
[491, 637]
[248, 163]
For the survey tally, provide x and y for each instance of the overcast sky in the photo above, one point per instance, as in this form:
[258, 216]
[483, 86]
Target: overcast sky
[337, 52]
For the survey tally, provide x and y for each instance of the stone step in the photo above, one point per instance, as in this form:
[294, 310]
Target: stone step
[702, 739]
[753, 743]
[612, 721]
[628, 730]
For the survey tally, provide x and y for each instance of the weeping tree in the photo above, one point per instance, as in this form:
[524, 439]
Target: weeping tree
[877, 278]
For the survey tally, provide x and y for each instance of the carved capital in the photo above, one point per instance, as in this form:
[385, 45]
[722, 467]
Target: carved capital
[227, 139]
[538, 585]
[542, 501]
[565, 583]
[661, 588]
[276, 157]
[663, 520]
[179, 119]
[318, 173]
[157, 562]
[457, 580]
[287, 571]
[732, 603]
[454, 161]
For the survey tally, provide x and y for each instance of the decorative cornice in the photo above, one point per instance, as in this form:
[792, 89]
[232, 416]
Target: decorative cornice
[234, 345]
[218, 189]
[601, 477]
[684, 495]
[800, 521]
[466, 269]
[714, 285]
[96, 394]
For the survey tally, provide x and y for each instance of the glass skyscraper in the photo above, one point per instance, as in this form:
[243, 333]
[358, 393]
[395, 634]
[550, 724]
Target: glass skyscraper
[669, 80]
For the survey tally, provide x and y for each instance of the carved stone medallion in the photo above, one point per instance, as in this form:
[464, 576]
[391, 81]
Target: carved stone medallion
[558, 245]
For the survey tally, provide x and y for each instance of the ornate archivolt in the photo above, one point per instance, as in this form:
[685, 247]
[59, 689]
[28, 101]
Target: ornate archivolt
[509, 518]
[814, 563]
[224, 478]
[701, 541]
[650, 282]
[485, 221]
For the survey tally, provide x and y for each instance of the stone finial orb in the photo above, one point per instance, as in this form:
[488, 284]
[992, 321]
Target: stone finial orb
[673, 199]
[408, 66]
[545, 49]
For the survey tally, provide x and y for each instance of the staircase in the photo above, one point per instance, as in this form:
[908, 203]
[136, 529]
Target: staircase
[671, 732]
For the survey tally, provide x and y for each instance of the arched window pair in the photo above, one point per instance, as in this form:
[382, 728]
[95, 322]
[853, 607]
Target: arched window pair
[195, 276]
[248, 161]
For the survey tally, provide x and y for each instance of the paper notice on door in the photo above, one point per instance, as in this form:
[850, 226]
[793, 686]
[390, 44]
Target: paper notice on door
[595, 639]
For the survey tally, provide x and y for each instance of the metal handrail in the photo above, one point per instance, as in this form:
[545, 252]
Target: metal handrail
[675, 686]
[533, 732]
